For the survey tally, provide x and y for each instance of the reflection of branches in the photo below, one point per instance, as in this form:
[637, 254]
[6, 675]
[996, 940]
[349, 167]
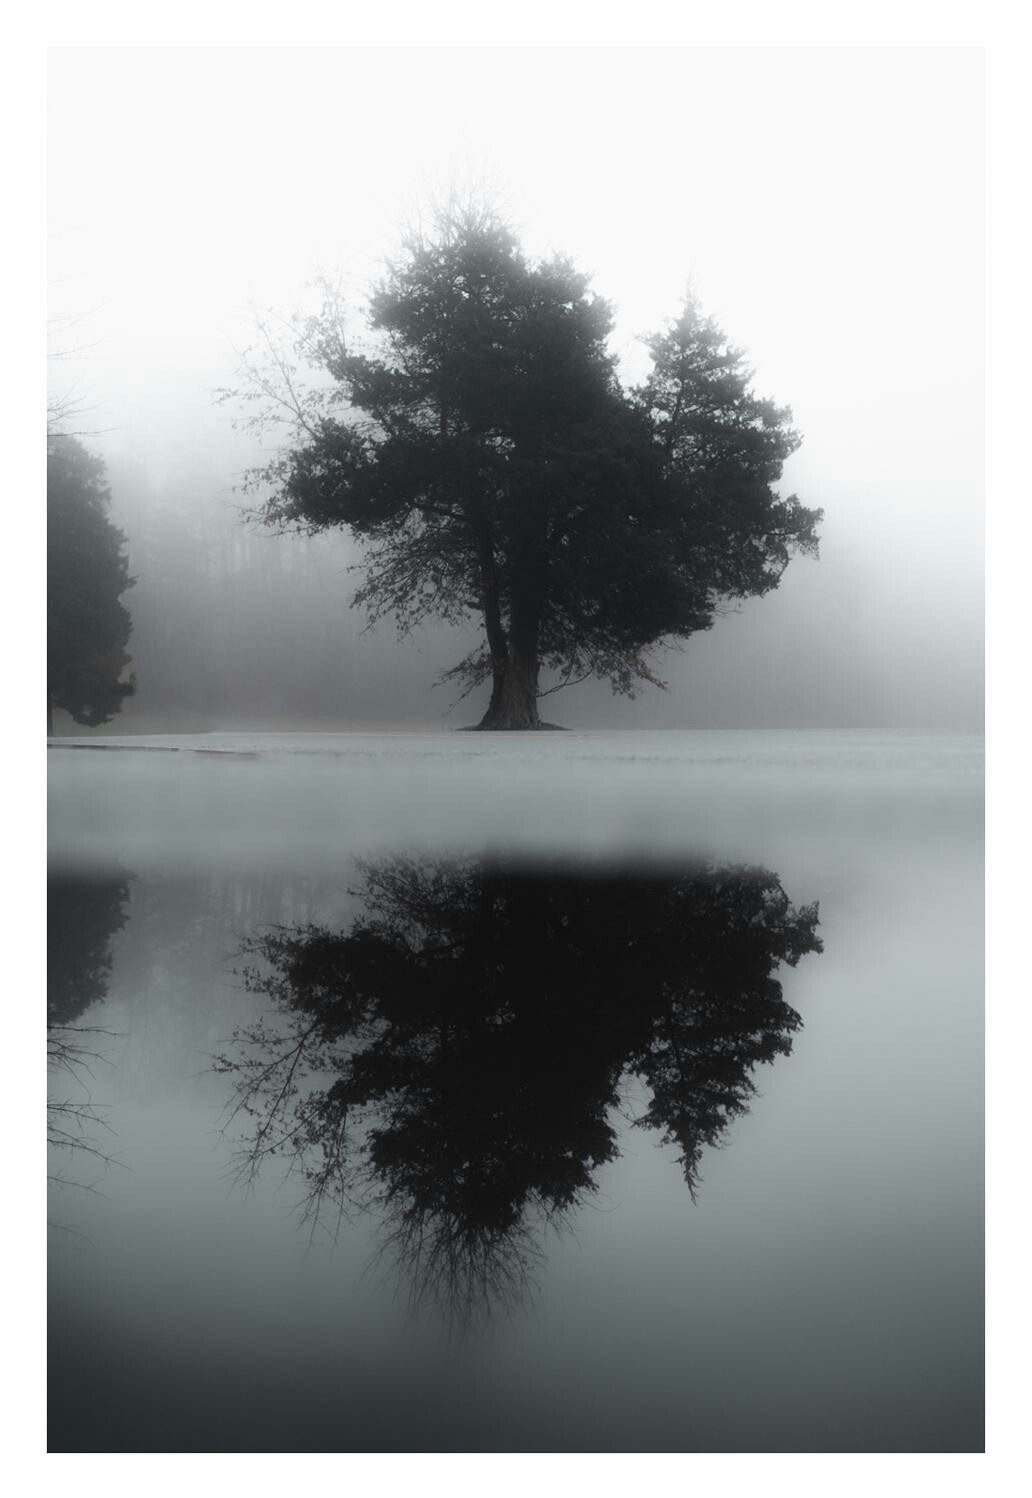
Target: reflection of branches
[455, 1060]
[305, 1129]
[470, 1271]
[73, 1120]
[84, 911]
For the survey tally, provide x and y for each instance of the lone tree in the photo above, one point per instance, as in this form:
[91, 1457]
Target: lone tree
[485, 448]
[455, 1058]
[87, 572]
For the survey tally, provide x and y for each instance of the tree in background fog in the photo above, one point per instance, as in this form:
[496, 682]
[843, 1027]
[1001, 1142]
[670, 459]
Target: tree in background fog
[483, 446]
[88, 626]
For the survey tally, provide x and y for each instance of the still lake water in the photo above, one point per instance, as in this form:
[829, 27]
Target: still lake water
[524, 983]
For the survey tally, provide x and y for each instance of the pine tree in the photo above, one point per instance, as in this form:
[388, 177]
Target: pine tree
[491, 457]
[87, 572]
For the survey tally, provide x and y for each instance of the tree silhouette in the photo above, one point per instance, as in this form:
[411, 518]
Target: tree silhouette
[87, 625]
[455, 1058]
[485, 448]
[84, 912]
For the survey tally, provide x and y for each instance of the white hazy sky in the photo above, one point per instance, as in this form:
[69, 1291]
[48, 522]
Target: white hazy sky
[828, 205]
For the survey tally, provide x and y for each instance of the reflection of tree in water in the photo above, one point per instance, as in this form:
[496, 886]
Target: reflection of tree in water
[455, 1058]
[177, 998]
[155, 1026]
[84, 912]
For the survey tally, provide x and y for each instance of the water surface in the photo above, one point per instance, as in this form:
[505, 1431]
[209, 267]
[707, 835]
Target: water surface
[524, 1196]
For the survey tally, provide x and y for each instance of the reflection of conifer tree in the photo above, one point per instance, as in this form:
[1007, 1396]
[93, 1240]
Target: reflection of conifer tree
[456, 1056]
[84, 913]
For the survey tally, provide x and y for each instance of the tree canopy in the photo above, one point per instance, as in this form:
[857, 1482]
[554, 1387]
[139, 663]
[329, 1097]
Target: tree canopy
[456, 1057]
[88, 627]
[485, 447]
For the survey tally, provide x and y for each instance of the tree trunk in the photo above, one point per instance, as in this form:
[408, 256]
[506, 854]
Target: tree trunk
[513, 702]
[514, 651]
[497, 641]
[497, 685]
[515, 697]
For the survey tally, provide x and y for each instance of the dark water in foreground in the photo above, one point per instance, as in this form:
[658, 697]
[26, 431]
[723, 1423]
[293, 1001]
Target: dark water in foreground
[512, 1103]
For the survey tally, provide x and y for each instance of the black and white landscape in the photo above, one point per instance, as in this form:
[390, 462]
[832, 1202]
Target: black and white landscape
[515, 759]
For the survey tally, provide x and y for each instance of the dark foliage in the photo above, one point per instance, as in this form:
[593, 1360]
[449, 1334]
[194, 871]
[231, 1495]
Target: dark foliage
[87, 625]
[456, 1057]
[84, 913]
[486, 449]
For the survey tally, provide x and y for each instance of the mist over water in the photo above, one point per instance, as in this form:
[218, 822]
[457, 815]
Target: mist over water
[823, 1291]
